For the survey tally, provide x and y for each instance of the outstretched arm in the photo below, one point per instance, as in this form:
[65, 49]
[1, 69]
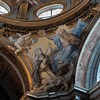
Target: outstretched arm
[19, 35]
[26, 35]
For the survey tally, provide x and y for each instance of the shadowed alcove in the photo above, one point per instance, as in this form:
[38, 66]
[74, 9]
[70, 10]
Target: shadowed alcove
[13, 79]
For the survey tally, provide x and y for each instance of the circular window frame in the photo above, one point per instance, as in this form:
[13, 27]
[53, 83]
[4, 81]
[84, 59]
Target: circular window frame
[50, 8]
[48, 4]
[7, 3]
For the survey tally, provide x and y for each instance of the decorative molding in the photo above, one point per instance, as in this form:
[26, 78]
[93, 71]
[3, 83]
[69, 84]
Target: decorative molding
[95, 92]
[20, 61]
[69, 95]
[11, 8]
[50, 3]
[65, 16]
[86, 52]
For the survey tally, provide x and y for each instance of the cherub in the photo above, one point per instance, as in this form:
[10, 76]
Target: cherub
[23, 42]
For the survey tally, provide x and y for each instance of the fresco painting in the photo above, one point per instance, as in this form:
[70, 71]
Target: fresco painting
[53, 56]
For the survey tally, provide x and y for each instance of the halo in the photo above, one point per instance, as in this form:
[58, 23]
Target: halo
[66, 28]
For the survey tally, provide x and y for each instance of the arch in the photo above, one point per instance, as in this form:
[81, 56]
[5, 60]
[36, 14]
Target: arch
[85, 55]
[18, 79]
[93, 67]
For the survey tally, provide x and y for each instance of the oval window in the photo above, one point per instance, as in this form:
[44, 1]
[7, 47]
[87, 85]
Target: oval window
[50, 11]
[4, 8]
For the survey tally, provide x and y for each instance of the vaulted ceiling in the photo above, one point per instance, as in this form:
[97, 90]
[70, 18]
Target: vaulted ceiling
[34, 5]
[24, 15]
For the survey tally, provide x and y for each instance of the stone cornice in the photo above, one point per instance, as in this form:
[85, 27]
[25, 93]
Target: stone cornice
[68, 15]
[86, 52]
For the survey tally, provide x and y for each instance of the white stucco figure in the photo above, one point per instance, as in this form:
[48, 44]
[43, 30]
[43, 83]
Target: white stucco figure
[24, 42]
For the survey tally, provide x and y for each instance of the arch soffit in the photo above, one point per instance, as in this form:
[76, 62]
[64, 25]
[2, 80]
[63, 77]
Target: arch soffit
[25, 79]
[85, 55]
[67, 15]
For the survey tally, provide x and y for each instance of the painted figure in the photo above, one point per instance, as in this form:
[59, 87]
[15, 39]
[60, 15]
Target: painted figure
[41, 72]
[67, 70]
[66, 50]
[66, 43]
[24, 42]
[59, 83]
[77, 30]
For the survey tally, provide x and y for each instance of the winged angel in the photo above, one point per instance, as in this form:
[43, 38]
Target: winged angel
[21, 42]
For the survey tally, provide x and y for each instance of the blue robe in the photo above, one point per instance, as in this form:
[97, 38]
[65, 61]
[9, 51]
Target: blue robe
[77, 30]
[64, 54]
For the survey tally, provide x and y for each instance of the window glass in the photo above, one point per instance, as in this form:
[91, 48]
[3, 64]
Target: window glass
[50, 11]
[4, 8]
[45, 15]
[56, 12]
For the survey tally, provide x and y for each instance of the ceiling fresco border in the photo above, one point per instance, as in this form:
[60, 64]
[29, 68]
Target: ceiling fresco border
[11, 8]
[50, 3]
[68, 15]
